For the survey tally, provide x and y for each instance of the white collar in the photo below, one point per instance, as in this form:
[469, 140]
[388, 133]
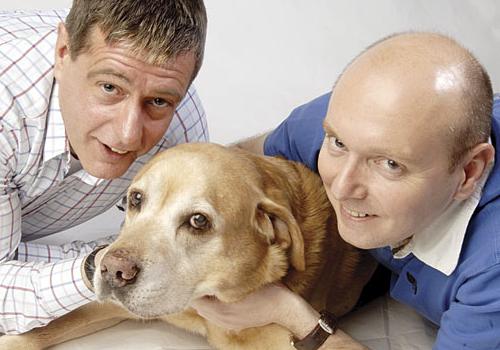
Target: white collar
[56, 141]
[440, 244]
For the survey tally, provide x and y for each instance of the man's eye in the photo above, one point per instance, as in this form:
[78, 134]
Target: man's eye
[335, 142]
[109, 88]
[159, 102]
[391, 164]
[338, 143]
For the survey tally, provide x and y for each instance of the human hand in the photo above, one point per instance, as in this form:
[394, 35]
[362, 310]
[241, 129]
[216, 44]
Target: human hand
[273, 303]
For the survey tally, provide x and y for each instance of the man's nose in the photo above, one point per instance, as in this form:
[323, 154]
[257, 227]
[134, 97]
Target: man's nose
[348, 182]
[130, 127]
[118, 268]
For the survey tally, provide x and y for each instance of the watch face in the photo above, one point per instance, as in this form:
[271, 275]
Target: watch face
[328, 322]
[326, 327]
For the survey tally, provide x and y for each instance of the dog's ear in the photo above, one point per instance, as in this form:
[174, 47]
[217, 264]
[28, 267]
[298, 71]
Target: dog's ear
[280, 227]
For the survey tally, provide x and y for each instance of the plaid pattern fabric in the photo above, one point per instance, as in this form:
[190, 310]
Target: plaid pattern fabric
[39, 283]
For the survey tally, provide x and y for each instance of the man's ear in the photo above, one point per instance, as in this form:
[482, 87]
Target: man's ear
[62, 50]
[475, 164]
[279, 226]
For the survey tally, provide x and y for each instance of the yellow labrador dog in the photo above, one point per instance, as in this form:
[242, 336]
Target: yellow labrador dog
[203, 220]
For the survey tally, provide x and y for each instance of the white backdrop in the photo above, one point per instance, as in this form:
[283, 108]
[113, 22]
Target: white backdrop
[264, 57]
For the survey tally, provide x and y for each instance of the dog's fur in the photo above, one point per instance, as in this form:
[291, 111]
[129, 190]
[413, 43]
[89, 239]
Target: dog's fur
[269, 220]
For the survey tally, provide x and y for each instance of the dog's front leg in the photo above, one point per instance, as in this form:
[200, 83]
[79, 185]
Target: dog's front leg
[270, 337]
[188, 320]
[82, 321]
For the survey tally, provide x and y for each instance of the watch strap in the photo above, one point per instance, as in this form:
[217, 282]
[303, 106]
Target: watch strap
[327, 325]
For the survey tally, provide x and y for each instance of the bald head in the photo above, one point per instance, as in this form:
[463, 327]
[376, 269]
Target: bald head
[426, 76]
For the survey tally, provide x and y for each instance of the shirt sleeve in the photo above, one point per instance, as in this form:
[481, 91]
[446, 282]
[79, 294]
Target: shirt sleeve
[473, 319]
[37, 252]
[46, 282]
[300, 136]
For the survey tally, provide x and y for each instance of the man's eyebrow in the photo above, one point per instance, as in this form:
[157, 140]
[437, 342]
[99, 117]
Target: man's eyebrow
[170, 92]
[105, 71]
[328, 129]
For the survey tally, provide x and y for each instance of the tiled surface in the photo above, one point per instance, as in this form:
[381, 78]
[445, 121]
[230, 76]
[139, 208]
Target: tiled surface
[388, 325]
[382, 325]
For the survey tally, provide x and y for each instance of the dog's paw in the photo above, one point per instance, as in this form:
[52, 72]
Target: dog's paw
[17, 342]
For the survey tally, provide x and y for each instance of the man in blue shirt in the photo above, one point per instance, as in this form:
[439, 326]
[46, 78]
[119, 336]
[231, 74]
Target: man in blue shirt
[405, 146]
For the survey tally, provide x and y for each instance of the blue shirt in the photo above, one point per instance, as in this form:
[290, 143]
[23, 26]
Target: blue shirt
[466, 304]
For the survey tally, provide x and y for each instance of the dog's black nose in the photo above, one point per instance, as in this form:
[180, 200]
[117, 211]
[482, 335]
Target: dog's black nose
[118, 268]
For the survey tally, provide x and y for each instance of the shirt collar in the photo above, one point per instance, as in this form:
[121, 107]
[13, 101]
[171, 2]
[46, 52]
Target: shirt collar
[440, 244]
[56, 141]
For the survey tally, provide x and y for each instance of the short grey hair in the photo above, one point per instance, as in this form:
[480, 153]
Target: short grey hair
[160, 30]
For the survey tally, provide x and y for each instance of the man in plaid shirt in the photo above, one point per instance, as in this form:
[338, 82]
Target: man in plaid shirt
[83, 105]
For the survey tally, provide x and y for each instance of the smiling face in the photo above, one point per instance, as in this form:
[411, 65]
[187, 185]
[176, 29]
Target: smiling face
[116, 107]
[386, 156]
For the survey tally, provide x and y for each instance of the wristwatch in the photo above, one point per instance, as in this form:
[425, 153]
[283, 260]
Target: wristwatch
[89, 265]
[327, 325]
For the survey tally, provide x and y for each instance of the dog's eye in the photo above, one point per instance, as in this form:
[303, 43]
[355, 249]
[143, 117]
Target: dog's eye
[198, 221]
[135, 199]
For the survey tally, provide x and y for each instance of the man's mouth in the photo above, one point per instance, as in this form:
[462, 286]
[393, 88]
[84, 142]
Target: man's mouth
[115, 150]
[356, 214]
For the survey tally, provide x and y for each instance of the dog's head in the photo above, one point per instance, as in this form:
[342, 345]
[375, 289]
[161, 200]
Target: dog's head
[198, 223]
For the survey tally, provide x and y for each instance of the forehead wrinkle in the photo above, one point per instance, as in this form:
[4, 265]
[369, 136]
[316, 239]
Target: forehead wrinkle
[108, 71]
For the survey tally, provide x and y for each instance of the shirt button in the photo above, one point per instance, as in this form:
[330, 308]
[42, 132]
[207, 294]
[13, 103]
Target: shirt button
[413, 282]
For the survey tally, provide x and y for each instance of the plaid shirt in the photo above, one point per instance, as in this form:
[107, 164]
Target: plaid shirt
[38, 197]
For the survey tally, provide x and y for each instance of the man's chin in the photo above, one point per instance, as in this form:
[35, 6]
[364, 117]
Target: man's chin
[107, 172]
[357, 241]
